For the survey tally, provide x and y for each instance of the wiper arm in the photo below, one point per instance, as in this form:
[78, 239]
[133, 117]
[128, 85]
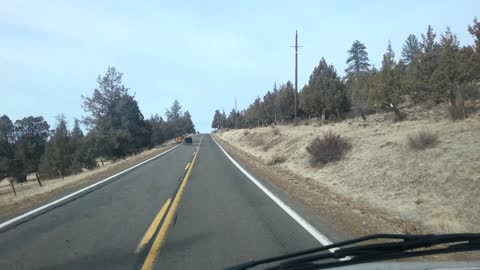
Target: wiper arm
[405, 246]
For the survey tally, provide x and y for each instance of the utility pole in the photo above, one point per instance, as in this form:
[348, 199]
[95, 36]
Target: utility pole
[235, 114]
[296, 73]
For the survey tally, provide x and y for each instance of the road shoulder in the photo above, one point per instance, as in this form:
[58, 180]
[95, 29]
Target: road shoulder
[346, 215]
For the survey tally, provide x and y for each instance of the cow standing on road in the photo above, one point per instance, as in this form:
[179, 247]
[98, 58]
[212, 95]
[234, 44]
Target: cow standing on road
[188, 141]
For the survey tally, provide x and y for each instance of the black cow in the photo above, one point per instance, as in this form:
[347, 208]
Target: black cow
[188, 141]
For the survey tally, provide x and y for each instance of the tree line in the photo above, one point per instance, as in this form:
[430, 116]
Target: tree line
[431, 68]
[115, 128]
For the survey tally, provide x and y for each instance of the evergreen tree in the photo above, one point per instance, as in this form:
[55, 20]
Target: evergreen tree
[325, 93]
[116, 118]
[31, 134]
[427, 63]
[269, 107]
[474, 57]
[217, 120]
[6, 146]
[357, 76]
[159, 130]
[188, 124]
[58, 157]
[175, 120]
[357, 60]
[411, 49]
[391, 76]
[447, 75]
[284, 102]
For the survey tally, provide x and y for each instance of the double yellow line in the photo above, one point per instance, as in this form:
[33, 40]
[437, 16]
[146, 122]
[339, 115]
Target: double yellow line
[170, 214]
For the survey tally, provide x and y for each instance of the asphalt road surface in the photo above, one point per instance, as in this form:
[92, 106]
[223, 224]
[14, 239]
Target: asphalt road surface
[187, 209]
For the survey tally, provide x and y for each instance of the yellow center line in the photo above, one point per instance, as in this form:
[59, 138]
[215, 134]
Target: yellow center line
[188, 165]
[153, 227]
[160, 238]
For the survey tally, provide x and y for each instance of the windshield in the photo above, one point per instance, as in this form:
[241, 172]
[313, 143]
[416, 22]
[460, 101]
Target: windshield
[209, 134]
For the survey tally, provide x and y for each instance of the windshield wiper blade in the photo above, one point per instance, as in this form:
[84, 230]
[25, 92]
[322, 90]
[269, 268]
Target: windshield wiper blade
[404, 246]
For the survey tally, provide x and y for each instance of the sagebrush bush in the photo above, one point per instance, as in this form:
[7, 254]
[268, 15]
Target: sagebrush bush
[399, 116]
[422, 139]
[276, 131]
[328, 148]
[277, 159]
[246, 132]
[257, 141]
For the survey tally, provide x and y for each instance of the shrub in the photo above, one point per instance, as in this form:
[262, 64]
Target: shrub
[257, 141]
[331, 147]
[422, 139]
[399, 116]
[277, 159]
[246, 132]
[276, 131]
[306, 123]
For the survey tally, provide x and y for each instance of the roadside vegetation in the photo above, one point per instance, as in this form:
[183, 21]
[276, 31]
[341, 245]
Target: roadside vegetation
[365, 135]
[422, 139]
[328, 148]
[113, 128]
[432, 69]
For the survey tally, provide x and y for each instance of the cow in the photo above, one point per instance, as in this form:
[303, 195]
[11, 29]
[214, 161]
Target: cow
[188, 140]
[179, 139]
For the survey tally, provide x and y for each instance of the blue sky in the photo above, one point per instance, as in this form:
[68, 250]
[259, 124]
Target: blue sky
[203, 53]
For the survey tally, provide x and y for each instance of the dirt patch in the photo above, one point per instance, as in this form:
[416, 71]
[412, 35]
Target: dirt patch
[31, 195]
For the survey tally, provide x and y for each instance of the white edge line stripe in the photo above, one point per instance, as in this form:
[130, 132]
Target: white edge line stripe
[307, 226]
[36, 210]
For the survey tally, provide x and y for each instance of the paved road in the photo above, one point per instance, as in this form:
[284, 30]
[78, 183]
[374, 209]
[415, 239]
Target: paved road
[222, 219]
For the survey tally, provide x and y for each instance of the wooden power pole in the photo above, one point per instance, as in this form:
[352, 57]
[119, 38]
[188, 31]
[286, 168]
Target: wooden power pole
[296, 74]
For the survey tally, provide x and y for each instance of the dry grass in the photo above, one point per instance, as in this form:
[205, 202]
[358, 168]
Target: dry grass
[328, 148]
[276, 131]
[435, 189]
[254, 140]
[277, 159]
[422, 139]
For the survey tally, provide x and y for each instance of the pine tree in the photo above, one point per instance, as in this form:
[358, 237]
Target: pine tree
[217, 120]
[357, 60]
[411, 50]
[356, 76]
[424, 83]
[31, 134]
[188, 124]
[115, 116]
[325, 93]
[6, 146]
[392, 91]
[284, 102]
[447, 75]
[474, 61]
[57, 158]
[77, 142]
